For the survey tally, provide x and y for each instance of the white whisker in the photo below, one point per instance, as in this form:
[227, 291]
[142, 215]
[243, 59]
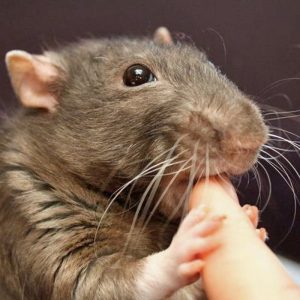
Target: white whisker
[270, 187]
[183, 198]
[153, 186]
[282, 118]
[290, 185]
[143, 173]
[158, 202]
[259, 184]
[277, 83]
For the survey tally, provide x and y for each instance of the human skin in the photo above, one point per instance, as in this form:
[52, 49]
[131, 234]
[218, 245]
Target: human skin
[242, 267]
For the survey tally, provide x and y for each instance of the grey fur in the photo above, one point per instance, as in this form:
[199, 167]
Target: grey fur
[58, 170]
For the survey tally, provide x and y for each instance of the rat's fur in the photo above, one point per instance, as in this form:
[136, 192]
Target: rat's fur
[57, 170]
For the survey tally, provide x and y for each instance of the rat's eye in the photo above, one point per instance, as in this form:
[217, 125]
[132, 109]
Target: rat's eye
[137, 75]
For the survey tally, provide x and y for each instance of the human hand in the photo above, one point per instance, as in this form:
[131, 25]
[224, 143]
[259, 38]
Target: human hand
[242, 267]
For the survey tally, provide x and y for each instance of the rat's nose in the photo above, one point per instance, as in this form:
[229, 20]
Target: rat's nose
[235, 133]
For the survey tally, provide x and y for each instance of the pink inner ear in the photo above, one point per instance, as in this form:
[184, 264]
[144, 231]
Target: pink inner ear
[34, 93]
[162, 36]
[46, 71]
[31, 76]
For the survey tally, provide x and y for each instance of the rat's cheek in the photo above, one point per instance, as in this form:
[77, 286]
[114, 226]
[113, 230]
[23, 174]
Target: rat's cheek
[172, 197]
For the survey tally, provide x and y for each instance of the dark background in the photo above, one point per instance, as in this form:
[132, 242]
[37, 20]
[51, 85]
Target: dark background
[256, 43]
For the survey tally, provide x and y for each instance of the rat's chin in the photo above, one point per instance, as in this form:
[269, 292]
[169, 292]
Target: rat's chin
[174, 197]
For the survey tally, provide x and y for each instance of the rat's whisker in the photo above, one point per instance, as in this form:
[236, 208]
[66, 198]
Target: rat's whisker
[152, 183]
[166, 189]
[140, 175]
[285, 112]
[207, 163]
[287, 133]
[279, 168]
[286, 160]
[142, 200]
[282, 117]
[156, 185]
[290, 185]
[288, 141]
[248, 178]
[277, 95]
[237, 180]
[268, 199]
[259, 184]
[143, 173]
[276, 84]
[269, 110]
[270, 157]
[128, 206]
[279, 148]
[149, 175]
[169, 154]
[222, 42]
[193, 173]
[183, 199]
[119, 191]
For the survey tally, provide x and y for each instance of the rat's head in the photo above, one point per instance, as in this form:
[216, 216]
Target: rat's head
[114, 109]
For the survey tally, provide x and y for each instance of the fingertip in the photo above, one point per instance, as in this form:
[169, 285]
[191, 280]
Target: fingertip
[213, 187]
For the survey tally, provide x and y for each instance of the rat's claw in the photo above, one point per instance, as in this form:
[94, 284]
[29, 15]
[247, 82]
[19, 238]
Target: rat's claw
[191, 270]
[208, 226]
[194, 217]
[252, 213]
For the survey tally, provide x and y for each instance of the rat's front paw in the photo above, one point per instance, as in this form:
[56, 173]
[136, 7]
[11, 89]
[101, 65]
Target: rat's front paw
[193, 239]
[165, 272]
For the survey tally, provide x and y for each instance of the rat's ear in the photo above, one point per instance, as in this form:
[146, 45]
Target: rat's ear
[163, 36]
[31, 77]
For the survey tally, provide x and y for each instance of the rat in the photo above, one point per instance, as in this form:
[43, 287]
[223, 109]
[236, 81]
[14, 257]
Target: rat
[97, 165]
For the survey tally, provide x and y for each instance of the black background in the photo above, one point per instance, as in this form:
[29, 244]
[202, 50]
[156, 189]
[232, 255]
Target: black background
[256, 43]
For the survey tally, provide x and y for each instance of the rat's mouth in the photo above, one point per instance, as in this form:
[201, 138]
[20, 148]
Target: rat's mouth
[189, 183]
[176, 191]
[177, 188]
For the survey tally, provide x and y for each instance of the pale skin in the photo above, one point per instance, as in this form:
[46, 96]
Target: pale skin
[234, 264]
[181, 263]
[242, 267]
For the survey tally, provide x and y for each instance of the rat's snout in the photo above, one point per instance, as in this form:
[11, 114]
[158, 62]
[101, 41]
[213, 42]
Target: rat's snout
[229, 136]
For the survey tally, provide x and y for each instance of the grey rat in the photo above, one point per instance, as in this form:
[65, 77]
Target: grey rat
[97, 166]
